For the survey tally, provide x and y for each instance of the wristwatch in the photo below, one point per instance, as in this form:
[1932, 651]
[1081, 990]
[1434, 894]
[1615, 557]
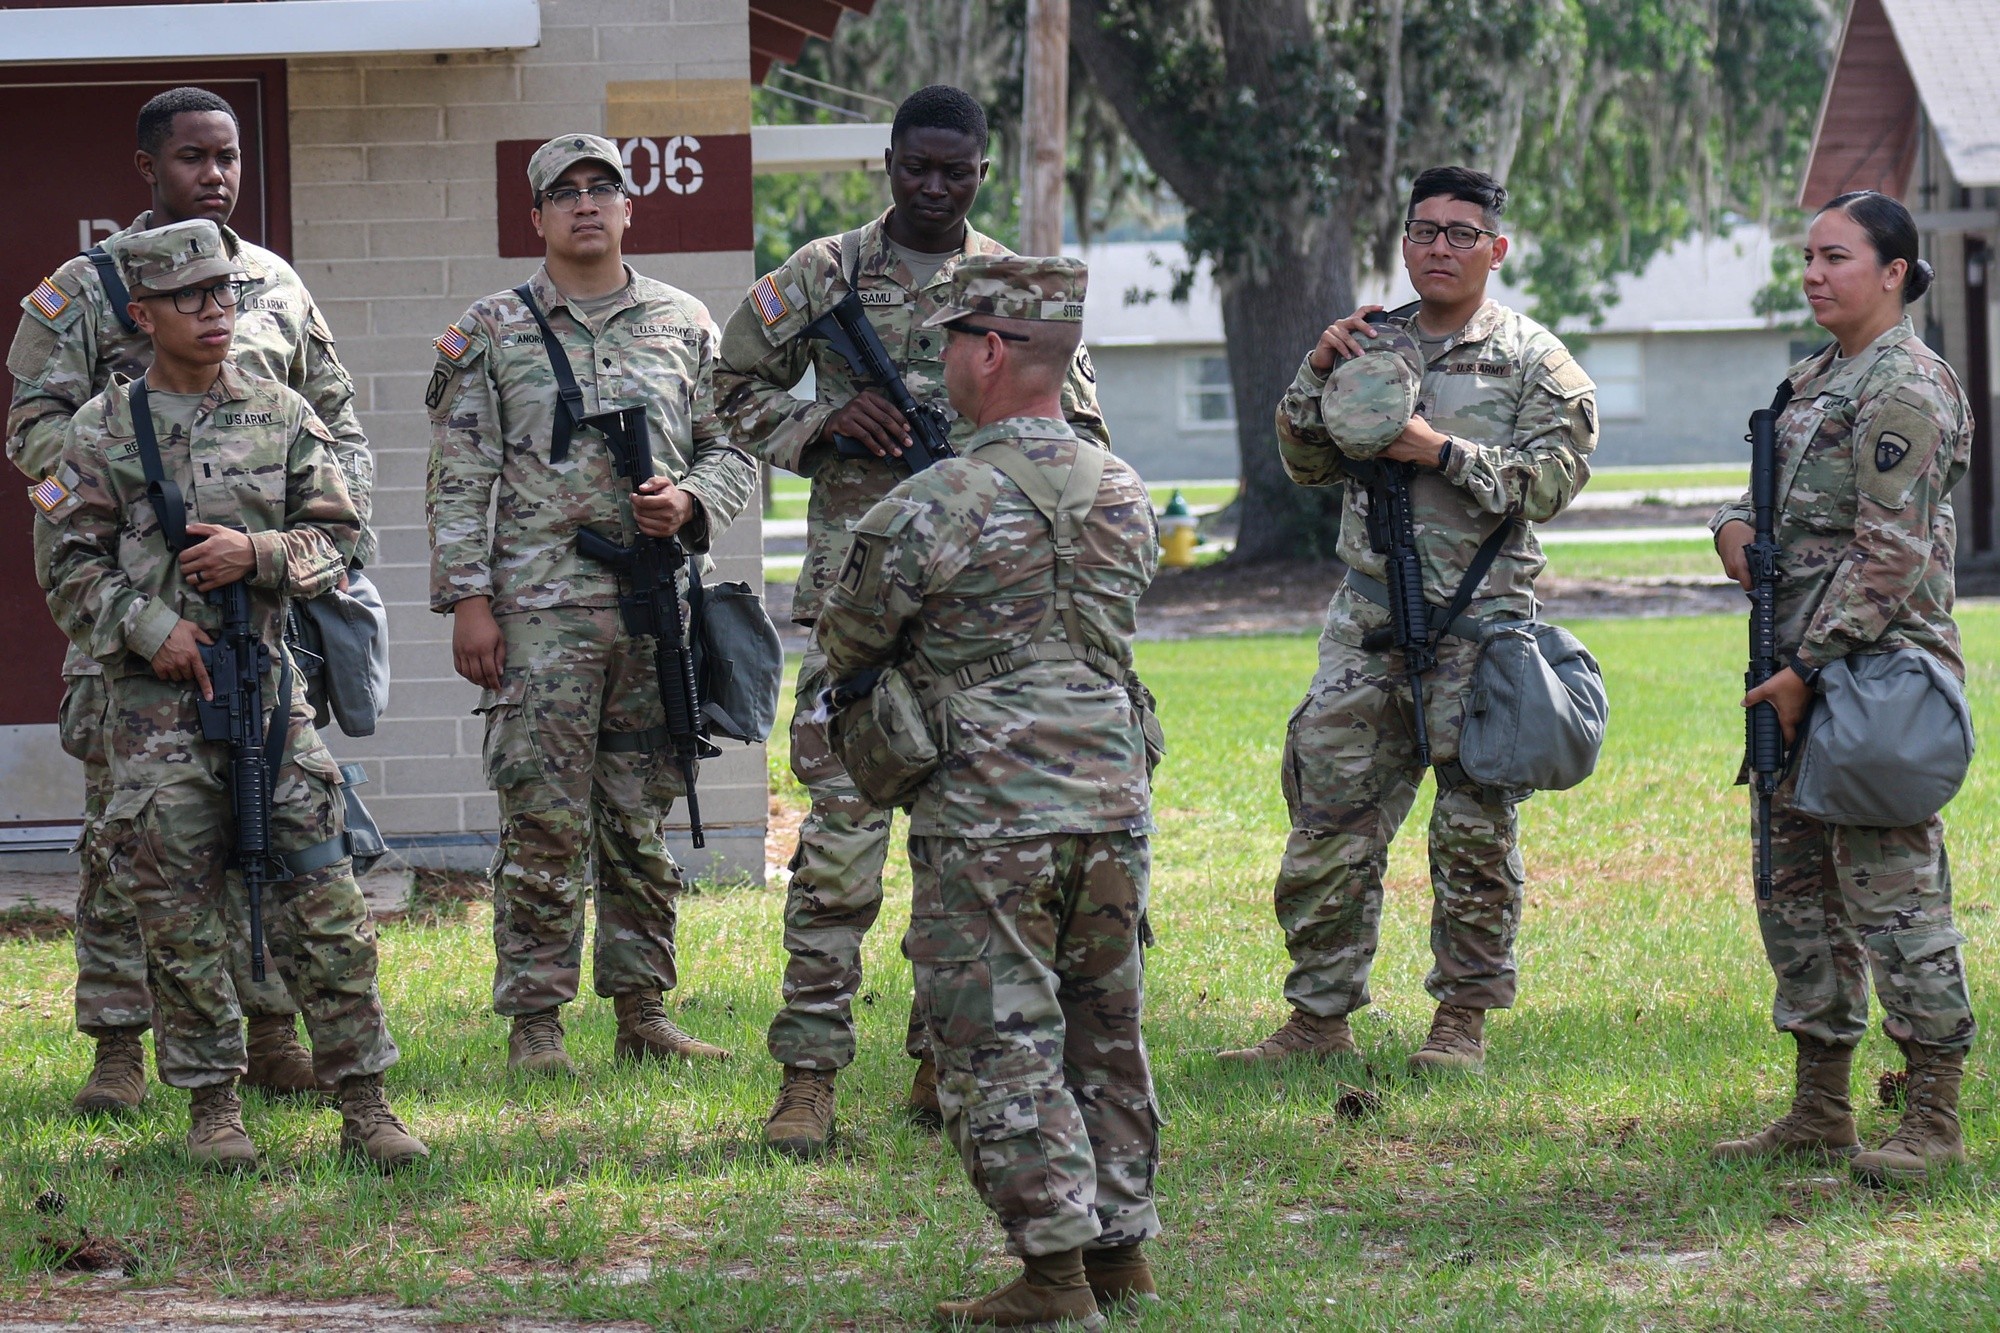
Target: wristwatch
[1444, 454]
[1810, 675]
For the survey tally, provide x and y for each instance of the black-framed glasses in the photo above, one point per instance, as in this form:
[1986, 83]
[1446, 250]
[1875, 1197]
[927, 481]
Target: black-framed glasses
[1458, 235]
[981, 330]
[569, 196]
[193, 300]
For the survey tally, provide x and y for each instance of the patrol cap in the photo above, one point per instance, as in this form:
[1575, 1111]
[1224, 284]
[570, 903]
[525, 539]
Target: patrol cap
[166, 259]
[1368, 399]
[564, 151]
[1016, 287]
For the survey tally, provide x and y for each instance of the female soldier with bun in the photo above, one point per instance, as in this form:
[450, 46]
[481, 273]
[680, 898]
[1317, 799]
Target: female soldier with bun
[1876, 434]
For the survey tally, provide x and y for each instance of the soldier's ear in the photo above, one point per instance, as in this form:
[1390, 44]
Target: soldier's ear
[535, 216]
[142, 318]
[1499, 251]
[143, 160]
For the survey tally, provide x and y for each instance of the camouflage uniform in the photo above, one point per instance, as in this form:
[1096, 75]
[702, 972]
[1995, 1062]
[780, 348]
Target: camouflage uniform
[1867, 453]
[1028, 846]
[1522, 417]
[266, 465]
[58, 362]
[835, 891]
[573, 673]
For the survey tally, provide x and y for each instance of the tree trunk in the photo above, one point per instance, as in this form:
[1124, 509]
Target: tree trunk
[1270, 325]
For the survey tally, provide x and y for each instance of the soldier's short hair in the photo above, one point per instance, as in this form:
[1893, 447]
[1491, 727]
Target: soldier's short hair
[941, 107]
[1462, 183]
[156, 118]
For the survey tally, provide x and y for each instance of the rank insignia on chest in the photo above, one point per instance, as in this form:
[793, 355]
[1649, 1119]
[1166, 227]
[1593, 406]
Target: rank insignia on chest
[453, 342]
[771, 306]
[1889, 451]
[49, 299]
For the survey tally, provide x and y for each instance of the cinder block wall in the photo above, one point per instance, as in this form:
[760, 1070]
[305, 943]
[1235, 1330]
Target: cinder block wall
[393, 198]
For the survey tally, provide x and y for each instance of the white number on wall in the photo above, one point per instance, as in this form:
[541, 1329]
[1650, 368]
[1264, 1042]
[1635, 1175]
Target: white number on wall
[652, 163]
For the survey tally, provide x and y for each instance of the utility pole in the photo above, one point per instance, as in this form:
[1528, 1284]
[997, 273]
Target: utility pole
[1044, 126]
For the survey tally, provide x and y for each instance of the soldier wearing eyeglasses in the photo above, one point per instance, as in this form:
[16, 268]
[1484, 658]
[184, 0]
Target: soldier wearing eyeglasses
[570, 696]
[1503, 427]
[75, 334]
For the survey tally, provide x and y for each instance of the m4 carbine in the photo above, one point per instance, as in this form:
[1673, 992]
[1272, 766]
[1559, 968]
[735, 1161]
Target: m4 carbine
[1765, 737]
[846, 329]
[650, 602]
[1392, 533]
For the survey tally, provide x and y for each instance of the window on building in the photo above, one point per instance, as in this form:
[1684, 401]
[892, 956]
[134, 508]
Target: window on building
[1206, 401]
[1618, 367]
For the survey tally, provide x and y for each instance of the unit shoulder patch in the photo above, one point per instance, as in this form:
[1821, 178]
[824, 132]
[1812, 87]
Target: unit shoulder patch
[1901, 444]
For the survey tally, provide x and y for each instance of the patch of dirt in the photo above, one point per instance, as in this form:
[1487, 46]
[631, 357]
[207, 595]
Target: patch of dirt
[440, 896]
[81, 1253]
[33, 924]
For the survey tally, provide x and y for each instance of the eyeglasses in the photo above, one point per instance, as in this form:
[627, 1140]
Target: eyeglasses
[192, 300]
[568, 197]
[1458, 235]
[981, 330]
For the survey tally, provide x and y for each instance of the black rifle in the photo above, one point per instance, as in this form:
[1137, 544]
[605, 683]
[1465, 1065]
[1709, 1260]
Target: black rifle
[1392, 534]
[1764, 738]
[649, 599]
[846, 329]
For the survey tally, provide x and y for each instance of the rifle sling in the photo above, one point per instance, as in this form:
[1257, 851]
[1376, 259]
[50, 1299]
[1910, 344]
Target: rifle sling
[569, 398]
[115, 291]
[1452, 617]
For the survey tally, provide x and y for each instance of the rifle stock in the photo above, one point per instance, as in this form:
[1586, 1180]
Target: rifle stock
[846, 329]
[649, 602]
[1764, 737]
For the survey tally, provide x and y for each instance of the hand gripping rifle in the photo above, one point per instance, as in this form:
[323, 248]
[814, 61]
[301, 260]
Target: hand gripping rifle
[649, 599]
[1764, 738]
[846, 329]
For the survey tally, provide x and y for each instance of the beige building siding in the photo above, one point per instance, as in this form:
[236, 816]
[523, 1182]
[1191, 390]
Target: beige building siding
[393, 197]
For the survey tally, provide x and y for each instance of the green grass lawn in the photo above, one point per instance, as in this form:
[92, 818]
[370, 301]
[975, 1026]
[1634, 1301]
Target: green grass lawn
[1624, 560]
[1667, 478]
[1569, 1187]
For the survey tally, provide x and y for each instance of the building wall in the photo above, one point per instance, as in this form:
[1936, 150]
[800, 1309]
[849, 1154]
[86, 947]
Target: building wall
[394, 196]
[1140, 390]
[1694, 392]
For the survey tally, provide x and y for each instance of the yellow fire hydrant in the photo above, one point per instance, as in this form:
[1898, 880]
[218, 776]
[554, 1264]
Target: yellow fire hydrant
[1177, 533]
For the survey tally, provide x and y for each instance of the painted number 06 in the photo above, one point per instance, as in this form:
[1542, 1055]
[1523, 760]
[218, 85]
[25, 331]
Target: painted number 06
[652, 163]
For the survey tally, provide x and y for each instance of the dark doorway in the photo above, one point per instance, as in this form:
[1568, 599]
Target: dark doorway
[1979, 388]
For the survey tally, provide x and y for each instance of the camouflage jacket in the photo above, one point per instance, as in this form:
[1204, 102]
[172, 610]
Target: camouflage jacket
[62, 360]
[1524, 418]
[957, 566]
[492, 401]
[763, 357]
[1867, 453]
[266, 464]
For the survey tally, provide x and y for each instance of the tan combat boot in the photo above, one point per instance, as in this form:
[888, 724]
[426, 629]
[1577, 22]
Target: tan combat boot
[1120, 1278]
[216, 1138]
[1929, 1135]
[280, 1065]
[535, 1046]
[368, 1128]
[801, 1124]
[1302, 1034]
[1051, 1293]
[118, 1079]
[1821, 1122]
[646, 1033]
[1457, 1041]
[923, 1107]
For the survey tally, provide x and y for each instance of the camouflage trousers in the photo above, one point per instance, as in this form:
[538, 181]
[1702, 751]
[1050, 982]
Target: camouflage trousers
[111, 989]
[1027, 952]
[1350, 777]
[1850, 902]
[573, 804]
[169, 837]
[833, 898]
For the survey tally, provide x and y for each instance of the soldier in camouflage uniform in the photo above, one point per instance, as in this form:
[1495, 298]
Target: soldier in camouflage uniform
[1006, 588]
[570, 695]
[122, 594]
[1498, 421]
[901, 263]
[73, 337]
[1877, 433]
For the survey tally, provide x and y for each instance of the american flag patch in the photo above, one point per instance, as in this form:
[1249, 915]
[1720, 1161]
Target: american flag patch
[453, 342]
[48, 493]
[770, 305]
[49, 299]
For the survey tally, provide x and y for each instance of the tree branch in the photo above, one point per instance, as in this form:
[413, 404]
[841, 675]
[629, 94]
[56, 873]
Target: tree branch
[1114, 68]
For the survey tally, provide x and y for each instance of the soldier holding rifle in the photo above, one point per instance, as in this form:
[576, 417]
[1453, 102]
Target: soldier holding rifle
[1492, 422]
[575, 722]
[851, 440]
[173, 492]
[1873, 432]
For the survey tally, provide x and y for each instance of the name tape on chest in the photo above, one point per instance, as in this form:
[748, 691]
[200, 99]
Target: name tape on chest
[684, 332]
[453, 342]
[882, 296]
[771, 305]
[49, 299]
